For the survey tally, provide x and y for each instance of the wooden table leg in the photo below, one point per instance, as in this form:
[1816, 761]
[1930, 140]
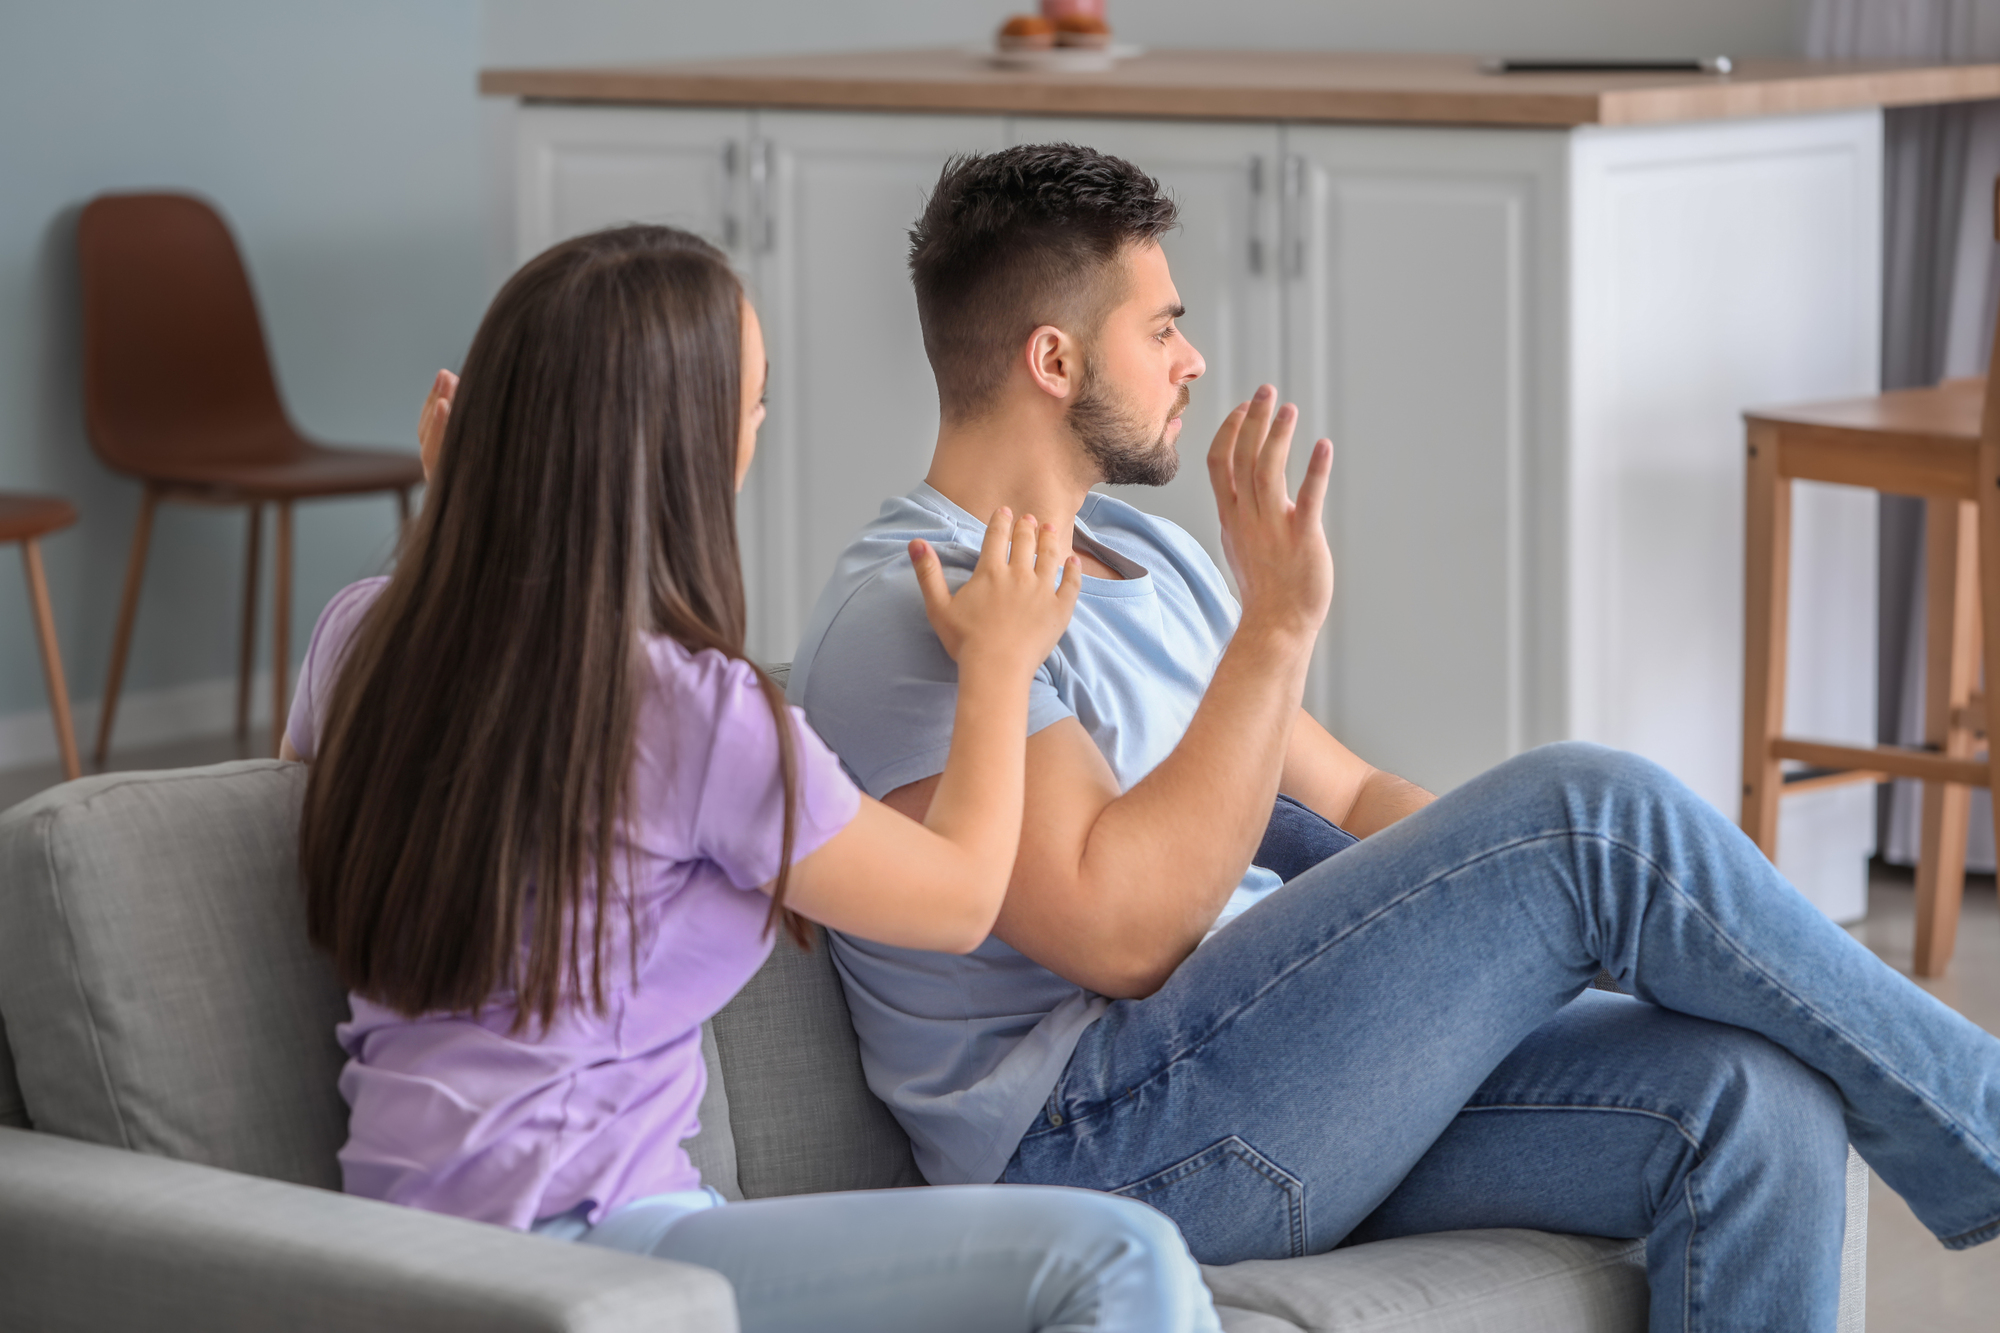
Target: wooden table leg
[1767, 561]
[52, 668]
[128, 610]
[247, 646]
[281, 624]
[1952, 625]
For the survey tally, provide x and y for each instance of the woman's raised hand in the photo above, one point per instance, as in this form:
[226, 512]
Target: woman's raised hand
[1012, 610]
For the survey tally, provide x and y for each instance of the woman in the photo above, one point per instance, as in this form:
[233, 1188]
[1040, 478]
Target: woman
[554, 817]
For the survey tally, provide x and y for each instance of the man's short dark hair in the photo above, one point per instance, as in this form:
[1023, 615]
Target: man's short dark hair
[1013, 240]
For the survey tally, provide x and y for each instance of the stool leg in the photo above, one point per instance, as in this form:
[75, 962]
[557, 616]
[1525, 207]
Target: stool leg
[45, 630]
[128, 610]
[281, 658]
[247, 649]
[1767, 561]
[1952, 625]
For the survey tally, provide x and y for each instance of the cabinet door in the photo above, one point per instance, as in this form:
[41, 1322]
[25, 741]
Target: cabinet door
[1224, 264]
[853, 406]
[581, 168]
[1424, 320]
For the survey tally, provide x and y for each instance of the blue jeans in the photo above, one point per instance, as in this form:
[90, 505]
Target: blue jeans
[967, 1259]
[1400, 1041]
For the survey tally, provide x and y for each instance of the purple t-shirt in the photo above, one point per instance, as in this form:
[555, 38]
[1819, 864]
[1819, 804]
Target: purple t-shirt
[456, 1114]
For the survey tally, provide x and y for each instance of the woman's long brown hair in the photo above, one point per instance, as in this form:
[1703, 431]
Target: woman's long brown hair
[461, 829]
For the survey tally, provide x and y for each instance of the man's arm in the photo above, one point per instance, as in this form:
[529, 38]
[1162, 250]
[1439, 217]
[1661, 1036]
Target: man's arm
[1111, 890]
[1335, 783]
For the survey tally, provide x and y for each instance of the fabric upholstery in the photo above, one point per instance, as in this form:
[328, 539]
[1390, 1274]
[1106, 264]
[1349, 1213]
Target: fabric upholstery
[713, 1149]
[804, 1119]
[99, 1239]
[1453, 1282]
[13, 1111]
[158, 988]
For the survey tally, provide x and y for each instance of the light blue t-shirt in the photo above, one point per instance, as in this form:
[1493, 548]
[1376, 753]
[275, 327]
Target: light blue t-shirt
[966, 1049]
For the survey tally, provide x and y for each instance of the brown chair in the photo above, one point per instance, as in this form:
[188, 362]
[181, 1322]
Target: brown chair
[1942, 444]
[26, 519]
[178, 392]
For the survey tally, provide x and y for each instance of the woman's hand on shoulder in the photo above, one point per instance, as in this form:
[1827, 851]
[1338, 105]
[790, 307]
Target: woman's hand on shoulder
[1011, 611]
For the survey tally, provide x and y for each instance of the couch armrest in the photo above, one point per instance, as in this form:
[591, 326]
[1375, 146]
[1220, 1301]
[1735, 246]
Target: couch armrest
[99, 1238]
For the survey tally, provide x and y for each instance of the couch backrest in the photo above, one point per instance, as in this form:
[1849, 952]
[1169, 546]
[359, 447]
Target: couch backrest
[159, 994]
[13, 1111]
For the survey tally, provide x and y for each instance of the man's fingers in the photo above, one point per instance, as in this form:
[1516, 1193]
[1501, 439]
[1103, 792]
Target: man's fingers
[930, 578]
[1312, 491]
[1222, 453]
[1250, 441]
[1271, 456]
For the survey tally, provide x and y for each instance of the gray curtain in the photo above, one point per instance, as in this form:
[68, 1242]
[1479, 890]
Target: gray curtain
[1941, 289]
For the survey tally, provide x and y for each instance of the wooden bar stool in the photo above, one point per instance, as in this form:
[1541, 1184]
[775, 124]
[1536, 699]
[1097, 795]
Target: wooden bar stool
[1942, 444]
[26, 519]
[178, 392]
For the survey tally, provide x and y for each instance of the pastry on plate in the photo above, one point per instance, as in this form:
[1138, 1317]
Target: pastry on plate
[1084, 30]
[1026, 32]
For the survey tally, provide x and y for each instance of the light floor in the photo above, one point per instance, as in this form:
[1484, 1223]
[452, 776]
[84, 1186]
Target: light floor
[1913, 1282]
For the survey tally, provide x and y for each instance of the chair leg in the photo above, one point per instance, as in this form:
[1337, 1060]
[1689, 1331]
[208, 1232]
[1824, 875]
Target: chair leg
[45, 630]
[128, 610]
[247, 649]
[1951, 671]
[281, 624]
[1767, 560]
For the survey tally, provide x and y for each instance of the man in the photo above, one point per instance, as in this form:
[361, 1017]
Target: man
[1400, 1038]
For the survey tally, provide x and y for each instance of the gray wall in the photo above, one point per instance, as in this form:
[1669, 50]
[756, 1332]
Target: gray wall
[341, 140]
[368, 188]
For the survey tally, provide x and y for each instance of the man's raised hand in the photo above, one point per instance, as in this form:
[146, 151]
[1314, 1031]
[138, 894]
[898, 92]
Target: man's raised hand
[1276, 547]
[1012, 610]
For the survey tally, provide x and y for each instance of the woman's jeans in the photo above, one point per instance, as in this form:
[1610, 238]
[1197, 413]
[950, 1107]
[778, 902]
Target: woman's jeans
[950, 1259]
[1400, 1041]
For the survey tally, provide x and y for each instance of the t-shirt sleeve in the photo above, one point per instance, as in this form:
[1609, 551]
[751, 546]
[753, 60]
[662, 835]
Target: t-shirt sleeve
[740, 822]
[324, 655]
[882, 690]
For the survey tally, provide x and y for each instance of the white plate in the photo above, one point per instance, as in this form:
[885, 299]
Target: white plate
[1059, 59]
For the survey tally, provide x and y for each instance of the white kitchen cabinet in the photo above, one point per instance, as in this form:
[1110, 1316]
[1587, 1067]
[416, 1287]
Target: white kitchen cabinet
[1530, 347]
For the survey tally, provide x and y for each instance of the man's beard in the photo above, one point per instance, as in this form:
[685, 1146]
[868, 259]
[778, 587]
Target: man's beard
[1126, 450]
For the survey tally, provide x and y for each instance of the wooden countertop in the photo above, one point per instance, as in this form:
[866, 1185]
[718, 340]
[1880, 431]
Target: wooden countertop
[1261, 85]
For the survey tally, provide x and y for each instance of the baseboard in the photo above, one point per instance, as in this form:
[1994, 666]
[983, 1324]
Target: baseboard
[145, 717]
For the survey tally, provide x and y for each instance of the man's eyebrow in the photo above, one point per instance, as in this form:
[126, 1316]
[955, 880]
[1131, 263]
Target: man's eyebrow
[1171, 311]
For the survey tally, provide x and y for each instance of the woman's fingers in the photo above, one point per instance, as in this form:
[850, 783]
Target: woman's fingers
[999, 529]
[1072, 584]
[930, 579]
[1021, 554]
[1045, 549]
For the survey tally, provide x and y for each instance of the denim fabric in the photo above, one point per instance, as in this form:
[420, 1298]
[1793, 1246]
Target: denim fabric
[1399, 1041]
[1297, 839]
[967, 1259]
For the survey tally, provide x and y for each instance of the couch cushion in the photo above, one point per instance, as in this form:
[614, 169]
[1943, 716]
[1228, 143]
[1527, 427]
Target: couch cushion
[13, 1111]
[1453, 1282]
[157, 984]
[804, 1119]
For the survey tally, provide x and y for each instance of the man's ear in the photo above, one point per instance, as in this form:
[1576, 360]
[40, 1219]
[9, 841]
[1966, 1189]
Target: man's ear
[1055, 362]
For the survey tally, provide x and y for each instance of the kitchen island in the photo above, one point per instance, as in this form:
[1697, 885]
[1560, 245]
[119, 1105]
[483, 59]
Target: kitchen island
[1528, 309]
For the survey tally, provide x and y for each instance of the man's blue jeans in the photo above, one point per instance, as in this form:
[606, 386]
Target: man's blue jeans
[1400, 1041]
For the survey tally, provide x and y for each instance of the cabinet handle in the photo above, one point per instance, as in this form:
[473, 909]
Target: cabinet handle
[1257, 215]
[763, 165]
[1295, 216]
[732, 225]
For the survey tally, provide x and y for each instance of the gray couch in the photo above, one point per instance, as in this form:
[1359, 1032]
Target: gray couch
[172, 1122]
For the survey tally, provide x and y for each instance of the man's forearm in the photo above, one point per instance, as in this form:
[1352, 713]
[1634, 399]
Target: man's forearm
[1174, 847]
[1383, 799]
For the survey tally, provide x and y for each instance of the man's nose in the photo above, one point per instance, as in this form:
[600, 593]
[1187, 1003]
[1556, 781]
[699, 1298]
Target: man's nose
[1193, 368]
